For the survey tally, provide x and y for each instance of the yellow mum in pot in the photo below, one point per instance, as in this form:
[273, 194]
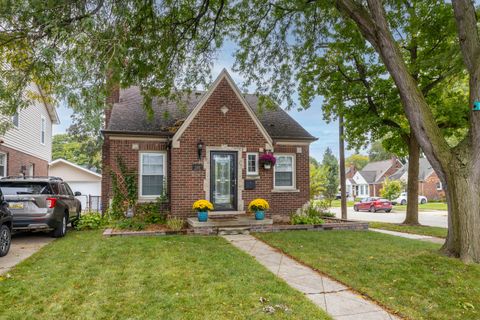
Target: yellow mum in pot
[258, 205]
[202, 205]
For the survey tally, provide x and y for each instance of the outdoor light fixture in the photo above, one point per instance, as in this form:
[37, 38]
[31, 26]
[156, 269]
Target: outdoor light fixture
[199, 149]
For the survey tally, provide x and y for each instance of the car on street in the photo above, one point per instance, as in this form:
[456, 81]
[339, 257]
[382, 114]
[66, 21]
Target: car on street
[373, 204]
[338, 196]
[403, 199]
[41, 204]
[6, 223]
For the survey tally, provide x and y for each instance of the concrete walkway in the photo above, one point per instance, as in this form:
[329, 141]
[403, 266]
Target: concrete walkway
[23, 246]
[333, 297]
[410, 236]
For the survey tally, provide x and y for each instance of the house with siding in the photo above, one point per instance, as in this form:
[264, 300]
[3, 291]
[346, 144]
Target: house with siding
[26, 148]
[369, 181]
[207, 146]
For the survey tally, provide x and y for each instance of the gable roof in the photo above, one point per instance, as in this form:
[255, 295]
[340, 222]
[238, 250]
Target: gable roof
[74, 165]
[378, 168]
[369, 176]
[129, 117]
[424, 171]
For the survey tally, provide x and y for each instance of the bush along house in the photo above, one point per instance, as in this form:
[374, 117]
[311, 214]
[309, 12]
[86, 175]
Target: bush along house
[216, 145]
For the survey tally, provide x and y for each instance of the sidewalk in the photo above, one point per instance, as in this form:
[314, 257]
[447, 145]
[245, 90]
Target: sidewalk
[410, 235]
[333, 297]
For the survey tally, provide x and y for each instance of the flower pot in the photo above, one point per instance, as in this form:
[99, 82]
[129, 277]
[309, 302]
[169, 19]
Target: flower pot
[259, 215]
[267, 166]
[202, 216]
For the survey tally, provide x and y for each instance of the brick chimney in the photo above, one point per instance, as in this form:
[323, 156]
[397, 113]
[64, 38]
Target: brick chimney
[114, 97]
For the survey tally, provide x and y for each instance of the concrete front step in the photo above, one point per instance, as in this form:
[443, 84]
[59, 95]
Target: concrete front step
[214, 226]
[230, 231]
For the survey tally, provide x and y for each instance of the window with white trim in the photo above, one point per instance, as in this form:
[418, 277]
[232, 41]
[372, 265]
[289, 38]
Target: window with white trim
[439, 186]
[15, 119]
[252, 164]
[284, 176]
[43, 128]
[3, 164]
[152, 174]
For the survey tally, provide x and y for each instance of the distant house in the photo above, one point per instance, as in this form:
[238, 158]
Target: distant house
[429, 185]
[26, 148]
[80, 179]
[368, 181]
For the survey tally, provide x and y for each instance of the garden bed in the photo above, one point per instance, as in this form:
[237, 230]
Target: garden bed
[329, 224]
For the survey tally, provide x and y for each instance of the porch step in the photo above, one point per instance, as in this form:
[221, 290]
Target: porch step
[225, 215]
[229, 231]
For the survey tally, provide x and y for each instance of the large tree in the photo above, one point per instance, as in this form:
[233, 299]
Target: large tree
[79, 50]
[356, 160]
[282, 41]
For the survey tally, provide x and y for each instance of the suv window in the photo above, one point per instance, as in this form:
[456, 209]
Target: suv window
[70, 192]
[63, 190]
[11, 188]
[55, 187]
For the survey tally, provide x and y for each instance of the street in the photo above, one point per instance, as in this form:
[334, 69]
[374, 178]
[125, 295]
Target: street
[428, 218]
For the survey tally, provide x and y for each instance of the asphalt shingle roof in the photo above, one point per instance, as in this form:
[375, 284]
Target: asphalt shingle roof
[129, 116]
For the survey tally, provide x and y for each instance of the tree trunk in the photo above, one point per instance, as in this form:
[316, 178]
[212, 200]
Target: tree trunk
[411, 217]
[343, 183]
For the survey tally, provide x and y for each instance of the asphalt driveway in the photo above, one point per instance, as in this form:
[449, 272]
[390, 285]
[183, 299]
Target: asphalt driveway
[428, 218]
[23, 246]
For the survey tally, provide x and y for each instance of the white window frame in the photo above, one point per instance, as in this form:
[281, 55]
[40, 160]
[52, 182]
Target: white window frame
[252, 173]
[294, 173]
[4, 173]
[43, 130]
[439, 186]
[140, 170]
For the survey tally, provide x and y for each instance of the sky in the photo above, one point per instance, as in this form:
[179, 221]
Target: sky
[311, 119]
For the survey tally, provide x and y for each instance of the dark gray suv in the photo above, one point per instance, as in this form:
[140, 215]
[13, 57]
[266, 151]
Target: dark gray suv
[41, 204]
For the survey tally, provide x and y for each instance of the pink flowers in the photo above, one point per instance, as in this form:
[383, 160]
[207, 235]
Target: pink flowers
[268, 158]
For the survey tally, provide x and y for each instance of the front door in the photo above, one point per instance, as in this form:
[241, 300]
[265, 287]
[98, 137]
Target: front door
[223, 180]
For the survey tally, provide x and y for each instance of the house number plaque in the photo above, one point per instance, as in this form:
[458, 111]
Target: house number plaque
[197, 167]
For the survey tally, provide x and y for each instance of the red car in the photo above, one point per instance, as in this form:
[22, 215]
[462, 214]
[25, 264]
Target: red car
[373, 204]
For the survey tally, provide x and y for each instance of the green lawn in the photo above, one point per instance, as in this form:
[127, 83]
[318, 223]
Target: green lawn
[422, 207]
[85, 276]
[423, 230]
[408, 276]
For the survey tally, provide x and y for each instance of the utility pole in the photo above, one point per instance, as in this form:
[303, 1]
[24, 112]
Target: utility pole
[343, 183]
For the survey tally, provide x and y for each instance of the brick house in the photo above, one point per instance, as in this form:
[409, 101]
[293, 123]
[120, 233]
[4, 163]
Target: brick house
[207, 146]
[429, 184]
[26, 147]
[369, 181]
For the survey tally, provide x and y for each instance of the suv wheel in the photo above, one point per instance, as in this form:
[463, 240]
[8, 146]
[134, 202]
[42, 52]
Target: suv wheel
[5, 240]
[61, 229]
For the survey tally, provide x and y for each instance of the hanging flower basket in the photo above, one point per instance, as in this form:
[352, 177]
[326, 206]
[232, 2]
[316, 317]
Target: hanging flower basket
[267, 160]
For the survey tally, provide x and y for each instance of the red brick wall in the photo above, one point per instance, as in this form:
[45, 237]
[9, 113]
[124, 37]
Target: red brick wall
[428, 188]
[16, 159]
[113, 149]
[234, 129]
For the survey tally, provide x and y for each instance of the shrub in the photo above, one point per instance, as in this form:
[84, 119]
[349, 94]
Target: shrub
[91, 221]
[308, 214]
[151, 213]
[131, 224]
[175, 224]
[391, 189]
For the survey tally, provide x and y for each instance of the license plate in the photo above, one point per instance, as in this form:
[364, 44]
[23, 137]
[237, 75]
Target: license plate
[16, 205]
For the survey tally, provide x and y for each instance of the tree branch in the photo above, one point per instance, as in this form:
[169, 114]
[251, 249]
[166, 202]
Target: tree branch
[465, 16]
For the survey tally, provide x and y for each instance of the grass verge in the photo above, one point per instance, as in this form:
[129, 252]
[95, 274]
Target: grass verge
[423, 230]
[408, 276]
[86, 276]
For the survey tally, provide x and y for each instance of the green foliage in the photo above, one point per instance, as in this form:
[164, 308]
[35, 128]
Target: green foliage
[131, 224]
[310, 213]
[330, 165]
[151, 213]
[124, 187]
[91, 221]
[83, 151]
[317, 180]
[377, 152]
[357, 160]
[391, 189]
[175, 224]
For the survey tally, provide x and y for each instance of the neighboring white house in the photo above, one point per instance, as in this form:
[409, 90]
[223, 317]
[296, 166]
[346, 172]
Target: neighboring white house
[80, 179]
[26, 148]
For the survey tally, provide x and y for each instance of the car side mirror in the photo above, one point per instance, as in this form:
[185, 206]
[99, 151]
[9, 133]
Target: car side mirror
[77, 193]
